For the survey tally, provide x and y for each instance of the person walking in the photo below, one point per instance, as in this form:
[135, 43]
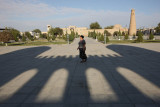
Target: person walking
[82, 49]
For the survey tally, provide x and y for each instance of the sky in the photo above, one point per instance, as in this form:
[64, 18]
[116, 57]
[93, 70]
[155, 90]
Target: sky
[27, 15]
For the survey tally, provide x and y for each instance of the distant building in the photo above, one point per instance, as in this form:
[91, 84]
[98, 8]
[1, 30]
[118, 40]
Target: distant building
[84, 30]
[2, 29]
[48, 27]
[34, 34]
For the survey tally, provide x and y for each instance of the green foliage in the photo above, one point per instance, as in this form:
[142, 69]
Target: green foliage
[72, 36]
[95, 25]
[6, 36]
[29, 36]
[107, 39]
[23, 38]
[89, 34]
[126, 37]
[151, 36]
[119, 33]
[140, 37]
[123, 34]
[37, 31]
[56, 31]
[53, 37]
[94, 34]
[53, 32]
[64, 37]
[44, 35]
[77, 35]
[107, 33]
[109, 27]
[48, 37]
[100, 37]
[15, 33]
[158, 28]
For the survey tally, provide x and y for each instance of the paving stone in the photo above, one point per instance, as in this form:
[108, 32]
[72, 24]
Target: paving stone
[60, 80]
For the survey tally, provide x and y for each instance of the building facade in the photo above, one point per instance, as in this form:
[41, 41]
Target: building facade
[84, 30]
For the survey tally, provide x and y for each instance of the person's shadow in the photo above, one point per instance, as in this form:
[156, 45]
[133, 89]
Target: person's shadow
[128, 78]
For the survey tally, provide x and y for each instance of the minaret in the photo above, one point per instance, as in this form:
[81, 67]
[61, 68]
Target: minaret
[132, 26]
[48, 27]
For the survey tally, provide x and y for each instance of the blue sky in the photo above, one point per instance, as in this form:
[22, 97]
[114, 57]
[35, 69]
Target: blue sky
[26, 15]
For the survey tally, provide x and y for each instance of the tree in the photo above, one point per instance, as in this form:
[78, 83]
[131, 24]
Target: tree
[29, 36]
[126, 37]
[119, 33]
[6, 36]
[158, 28]
[123, 33]
[72, 36]
[15, 33]
[107, 39]
[107, 33]
[151, 36]
[94, 34]
[48, 37]
[23, 38]
[100, 37]
[89, 34]
[53, 37]
[55, 31]
[95, 25]
[77, 35]
[109, 27]
[140, 37]
[37, 31]
[64, 37]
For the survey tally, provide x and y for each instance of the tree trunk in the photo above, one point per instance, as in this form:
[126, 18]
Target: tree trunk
[6, 44]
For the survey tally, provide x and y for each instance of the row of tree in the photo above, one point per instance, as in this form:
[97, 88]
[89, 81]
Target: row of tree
[99, 36]
[13, 34]
[96, 25]
[58, 32]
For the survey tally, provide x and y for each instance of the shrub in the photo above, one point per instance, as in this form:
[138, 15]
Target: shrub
[48, 37]
[126, 37]
[29, 36]
[64, 37]
[140, 37]
[23, 38]
[72, 36]
[107, 39]
[15, 33]
[107, 33]
[53, 37]
[6, 36]
[151, 36]
[101, 37]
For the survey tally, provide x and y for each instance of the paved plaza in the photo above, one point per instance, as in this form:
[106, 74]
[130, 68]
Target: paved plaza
[115, 75]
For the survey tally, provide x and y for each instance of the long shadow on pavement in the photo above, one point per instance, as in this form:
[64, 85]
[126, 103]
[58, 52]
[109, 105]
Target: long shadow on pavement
[132, 77]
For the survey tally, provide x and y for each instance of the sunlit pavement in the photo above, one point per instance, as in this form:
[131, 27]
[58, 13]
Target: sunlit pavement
[52, 76]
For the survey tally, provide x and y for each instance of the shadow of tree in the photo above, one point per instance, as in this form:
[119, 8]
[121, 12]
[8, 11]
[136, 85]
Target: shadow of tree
[128, 78]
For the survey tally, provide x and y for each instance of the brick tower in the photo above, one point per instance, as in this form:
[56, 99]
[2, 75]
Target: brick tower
[132, 26]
